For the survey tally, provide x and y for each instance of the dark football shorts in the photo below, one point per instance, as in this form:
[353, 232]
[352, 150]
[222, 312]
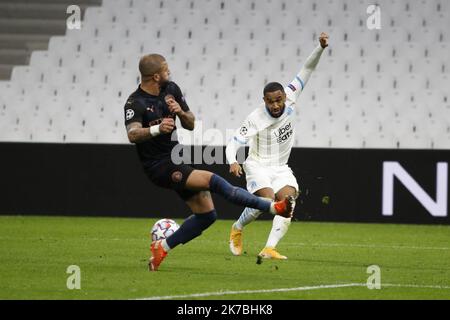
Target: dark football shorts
[166, 174]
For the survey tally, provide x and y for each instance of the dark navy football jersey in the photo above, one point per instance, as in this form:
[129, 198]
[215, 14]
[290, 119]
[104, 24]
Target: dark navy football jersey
[149, 110]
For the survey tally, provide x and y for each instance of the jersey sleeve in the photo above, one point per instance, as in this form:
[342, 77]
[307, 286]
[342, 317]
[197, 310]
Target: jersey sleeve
[242, 135]
[133, 111]
[179, 97]
[247, 130]
[296, 86]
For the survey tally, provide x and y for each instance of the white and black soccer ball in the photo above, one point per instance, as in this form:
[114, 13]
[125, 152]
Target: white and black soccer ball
[163, 228]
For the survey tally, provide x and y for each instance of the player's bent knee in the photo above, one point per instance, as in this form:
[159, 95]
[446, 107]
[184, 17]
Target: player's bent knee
[201, 202]
[205, 220]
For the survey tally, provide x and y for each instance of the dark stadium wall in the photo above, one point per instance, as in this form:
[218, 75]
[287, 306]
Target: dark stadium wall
[336, 184]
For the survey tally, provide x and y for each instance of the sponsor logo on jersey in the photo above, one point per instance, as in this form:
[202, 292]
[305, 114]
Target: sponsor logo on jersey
[284, 133]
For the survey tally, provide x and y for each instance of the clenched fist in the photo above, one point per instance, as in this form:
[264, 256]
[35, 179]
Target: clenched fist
[167, 125]
[323, 39]
[173, 105]
[235, 169]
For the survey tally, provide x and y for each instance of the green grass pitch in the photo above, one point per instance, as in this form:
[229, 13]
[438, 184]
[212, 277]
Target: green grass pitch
[112, 254]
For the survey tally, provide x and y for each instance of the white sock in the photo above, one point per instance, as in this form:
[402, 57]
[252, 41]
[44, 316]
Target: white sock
[280, 226]
[247, 216]
[165, 245]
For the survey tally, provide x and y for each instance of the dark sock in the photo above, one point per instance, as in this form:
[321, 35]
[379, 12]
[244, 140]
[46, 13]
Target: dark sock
[237, 195]
[191, 228]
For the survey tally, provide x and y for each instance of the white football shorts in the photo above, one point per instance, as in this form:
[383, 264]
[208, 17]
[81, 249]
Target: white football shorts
[274, 177]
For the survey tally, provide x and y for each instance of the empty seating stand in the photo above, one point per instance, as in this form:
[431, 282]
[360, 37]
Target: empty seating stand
[385, 88]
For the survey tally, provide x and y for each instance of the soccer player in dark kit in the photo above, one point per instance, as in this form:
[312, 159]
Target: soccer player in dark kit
[150, 114]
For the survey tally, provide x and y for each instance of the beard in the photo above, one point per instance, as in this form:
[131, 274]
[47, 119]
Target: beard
[280, 112]
[163, 83]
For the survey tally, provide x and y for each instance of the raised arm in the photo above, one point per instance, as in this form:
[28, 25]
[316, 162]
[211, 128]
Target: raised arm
[302, 78]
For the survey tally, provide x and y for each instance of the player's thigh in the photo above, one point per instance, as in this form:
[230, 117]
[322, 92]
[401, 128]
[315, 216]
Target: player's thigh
[199, 180]
[201, 202]
[286, 191]
[284, 182]
[265, 193]
[257, 176]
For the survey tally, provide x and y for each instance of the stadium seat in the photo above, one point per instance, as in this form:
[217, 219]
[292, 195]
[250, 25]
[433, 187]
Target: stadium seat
[442, 142]
[314, 140]
[40, 91]
[379, 141]
[190, 18]
[190, 48]
[109, 61]
[439, 82]
[144, 5]
[13, 133]
[63, 44]
[302, 34]
[256, 48]
[414, 141]
[381, 81]
[9, 89]
[119, 4]
[346, 140]
[45, 59]
[26, 74]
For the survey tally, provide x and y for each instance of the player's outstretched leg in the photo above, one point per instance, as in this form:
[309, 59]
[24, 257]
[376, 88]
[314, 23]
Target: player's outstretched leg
[158, 255]
[205, 180]
[280, 226]
[247, 216]
[191, 228]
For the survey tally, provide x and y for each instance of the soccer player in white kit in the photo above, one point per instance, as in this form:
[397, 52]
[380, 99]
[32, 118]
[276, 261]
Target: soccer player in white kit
[269, 131]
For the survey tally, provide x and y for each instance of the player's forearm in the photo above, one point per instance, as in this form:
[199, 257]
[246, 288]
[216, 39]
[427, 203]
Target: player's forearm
[310, 64]
[138, 135]
[187, 120]
[231, 151]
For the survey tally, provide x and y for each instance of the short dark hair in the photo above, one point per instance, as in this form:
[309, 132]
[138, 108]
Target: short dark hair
[150, 64]
[272, 87]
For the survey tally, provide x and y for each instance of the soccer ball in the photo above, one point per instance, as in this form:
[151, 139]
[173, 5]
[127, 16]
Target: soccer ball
[163, 228]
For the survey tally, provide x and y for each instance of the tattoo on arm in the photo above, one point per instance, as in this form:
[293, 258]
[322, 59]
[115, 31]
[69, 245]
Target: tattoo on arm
[136, 133]
[187, 120]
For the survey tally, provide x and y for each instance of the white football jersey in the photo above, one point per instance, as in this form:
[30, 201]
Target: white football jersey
[271, 139]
